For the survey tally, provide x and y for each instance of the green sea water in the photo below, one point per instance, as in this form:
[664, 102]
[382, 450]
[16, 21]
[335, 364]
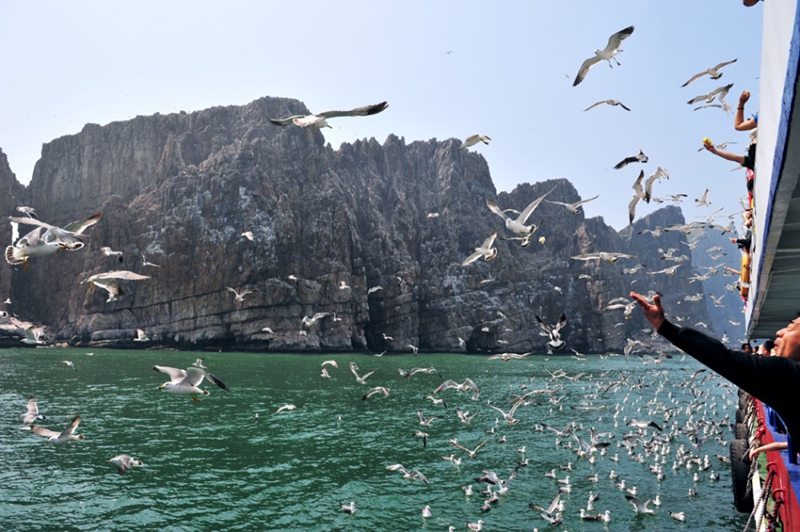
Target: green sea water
[212, 466]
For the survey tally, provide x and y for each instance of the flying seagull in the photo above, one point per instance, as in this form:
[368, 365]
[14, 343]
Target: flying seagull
[48, 239]
[719, 93]
[608, 53]
[573, 207]
[187, 381]
[713, 72]
[638, 158]
[638, 194]
[518, 226]
[239, 296]
[108, 281]
[319, 120]
[609, 257]
[68, 434]
[609, 102]
[108, 252]
[125, 462]
[473, 140]
[33, 412]
[553, 331]
[485, 250]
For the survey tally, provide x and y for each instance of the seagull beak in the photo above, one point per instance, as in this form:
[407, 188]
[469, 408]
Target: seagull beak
[161, 387]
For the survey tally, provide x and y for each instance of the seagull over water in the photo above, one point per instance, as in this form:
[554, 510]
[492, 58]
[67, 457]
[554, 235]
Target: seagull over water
[125, 462]
[608, 53]
[186, 382]
[361, 379]
[68, 434]
[33, 412]
[319, 120]
[553, 331]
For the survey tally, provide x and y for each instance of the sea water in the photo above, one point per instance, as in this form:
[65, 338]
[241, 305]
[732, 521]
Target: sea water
[211, 465]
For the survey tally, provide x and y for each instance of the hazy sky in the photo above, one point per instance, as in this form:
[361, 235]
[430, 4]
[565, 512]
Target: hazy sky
[447, 69]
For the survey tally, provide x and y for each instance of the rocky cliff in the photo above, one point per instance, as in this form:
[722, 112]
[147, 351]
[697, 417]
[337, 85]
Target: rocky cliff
[329, 226]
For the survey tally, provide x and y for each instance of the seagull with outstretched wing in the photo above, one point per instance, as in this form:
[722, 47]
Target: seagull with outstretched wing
[320, 120]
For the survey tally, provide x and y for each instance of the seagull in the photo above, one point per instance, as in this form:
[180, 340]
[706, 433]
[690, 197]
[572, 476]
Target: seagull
[108, 252]
[239, 296]
[285, 407]
[424, 435]
[360, 379]
[643, 424]
[309, 322]
[609, 257]
[414, 349]
[466, 386]
[47, 239]
[509, 417]
[125, 462]
[374, 289]
[145, 262]
[33, 412]
[70, 364]
[141, 336]
[475, 527]
[638, 506]
[470, 453]
[68, 434]
[719, 93]
[325, 373]
[678, 516]
[108, 281]
[638, 194]
[436, 401]
[638, 158]
[27, 210]
[609, 102]
[408, 475]
[573, 207]
[473, 140]
[485, 250]
[376, 390]
[553, 331]
[426, 421]
[348, 508]
[187, 381]
[518, 226]
[199, 363]
[548, 513]
[319, 120]
[703, 201]
[248, 235]
[33, 336]
[330, 363]
[608, 53]
[712, 72]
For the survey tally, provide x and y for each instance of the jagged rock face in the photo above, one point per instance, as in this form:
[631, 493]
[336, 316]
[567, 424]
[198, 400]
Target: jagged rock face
[328, 227]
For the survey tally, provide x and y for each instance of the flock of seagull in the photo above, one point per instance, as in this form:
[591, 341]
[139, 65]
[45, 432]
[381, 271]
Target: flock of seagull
[668, 443]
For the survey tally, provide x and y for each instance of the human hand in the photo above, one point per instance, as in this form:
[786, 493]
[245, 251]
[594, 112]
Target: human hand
[653, 312]
[743, 98]
[707, 144]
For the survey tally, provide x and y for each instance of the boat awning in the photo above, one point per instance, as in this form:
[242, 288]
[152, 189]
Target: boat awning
[775, 279]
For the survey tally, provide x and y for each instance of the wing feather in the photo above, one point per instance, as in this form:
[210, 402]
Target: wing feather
[367, 110]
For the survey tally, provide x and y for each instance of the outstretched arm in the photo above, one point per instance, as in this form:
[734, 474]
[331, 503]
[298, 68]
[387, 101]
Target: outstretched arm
[653, 312]
[739, 123]
[774, 446]
[735, 157]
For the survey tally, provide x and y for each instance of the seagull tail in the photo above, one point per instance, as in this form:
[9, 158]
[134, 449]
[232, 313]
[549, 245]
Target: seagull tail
[15, 255]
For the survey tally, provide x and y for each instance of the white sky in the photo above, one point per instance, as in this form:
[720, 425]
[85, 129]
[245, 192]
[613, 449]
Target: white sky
[509, 76]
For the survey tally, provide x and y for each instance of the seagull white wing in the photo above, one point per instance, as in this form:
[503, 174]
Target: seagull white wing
[496, 209]
[71, 427]
[286, 121]
[46, 433]
[118, 274]
[584, 70]
[194, 376]
[525, 214]
[615, 41]
[175, 374]
[33, 409]
[367, 110]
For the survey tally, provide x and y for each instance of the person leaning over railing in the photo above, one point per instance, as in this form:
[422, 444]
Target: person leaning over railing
[773, 380]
